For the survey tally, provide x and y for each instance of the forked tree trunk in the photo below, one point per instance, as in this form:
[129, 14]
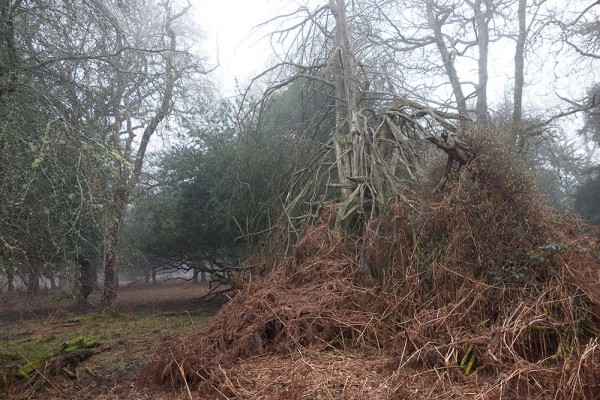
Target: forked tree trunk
[447, 57]
[126, 178]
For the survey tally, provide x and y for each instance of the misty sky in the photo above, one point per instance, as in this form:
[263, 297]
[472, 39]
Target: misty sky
[243, 52]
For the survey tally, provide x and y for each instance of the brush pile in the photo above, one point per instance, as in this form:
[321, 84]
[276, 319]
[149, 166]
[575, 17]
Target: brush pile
[477, 291]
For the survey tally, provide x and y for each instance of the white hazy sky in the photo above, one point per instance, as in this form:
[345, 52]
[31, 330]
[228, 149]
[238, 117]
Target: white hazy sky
[228, 24]
[244, 52]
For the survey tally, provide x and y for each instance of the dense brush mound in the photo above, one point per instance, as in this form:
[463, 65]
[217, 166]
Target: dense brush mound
[316, 304]
[479, 291]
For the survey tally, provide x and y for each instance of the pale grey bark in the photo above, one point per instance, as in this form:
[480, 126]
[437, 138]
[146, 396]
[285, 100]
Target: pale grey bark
[483, 15]
[345, 102]
[435, 19]
[125, 181]
[517, 115]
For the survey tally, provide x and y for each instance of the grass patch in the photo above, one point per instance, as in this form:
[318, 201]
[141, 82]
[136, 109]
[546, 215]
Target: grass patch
[109, 316]
[62, 295]
[91, 353]
[199, 312]
[129, 340]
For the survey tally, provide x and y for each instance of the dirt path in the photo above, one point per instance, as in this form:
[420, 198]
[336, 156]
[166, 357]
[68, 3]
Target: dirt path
[167, 296]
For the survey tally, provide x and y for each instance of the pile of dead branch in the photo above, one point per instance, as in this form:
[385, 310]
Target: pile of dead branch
[478, 290]
[312, 301]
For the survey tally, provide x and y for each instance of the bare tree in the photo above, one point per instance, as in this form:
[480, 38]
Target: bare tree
[379, 139]
[104, 76]
[130, 114]
[582, 33]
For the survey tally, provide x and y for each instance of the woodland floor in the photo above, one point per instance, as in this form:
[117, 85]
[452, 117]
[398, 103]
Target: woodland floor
[146, 316]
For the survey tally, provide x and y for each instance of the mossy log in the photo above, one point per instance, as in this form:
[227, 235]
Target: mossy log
[71, 353]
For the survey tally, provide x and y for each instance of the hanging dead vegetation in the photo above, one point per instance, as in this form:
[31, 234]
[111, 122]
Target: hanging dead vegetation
[475, 290]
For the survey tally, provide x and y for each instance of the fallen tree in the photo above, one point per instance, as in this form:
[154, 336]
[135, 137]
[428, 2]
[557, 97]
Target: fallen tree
[477, 288]
[442, 282]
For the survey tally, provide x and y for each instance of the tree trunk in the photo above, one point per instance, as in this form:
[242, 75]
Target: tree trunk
[33, 283]
[483, 20]
[67, 276]
[113, 230]
[154, 283]
[517, 116]
[10, 279]
[203, 276]
[86, 279]
[125, 178]
[52, 280]
[195, 276]
[345, 99]
[8, 49]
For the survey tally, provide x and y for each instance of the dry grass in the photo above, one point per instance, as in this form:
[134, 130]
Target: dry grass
[479, 291]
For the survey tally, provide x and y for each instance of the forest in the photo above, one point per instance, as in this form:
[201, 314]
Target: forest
[404, 203]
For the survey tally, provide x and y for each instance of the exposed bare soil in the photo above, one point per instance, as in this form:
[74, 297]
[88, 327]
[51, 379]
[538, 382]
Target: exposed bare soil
[167, 296]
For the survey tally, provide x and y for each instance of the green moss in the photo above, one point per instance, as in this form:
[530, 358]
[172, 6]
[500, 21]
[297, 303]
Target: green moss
[80, 342]
[98, 317]
[49, 338]
[69, 373]
[7, 357]
[21, 355]
[35, 362]
[62, 295]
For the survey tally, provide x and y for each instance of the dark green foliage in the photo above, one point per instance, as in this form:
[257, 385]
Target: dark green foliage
[228, 181]
[193, 209]
[591, 128]
[587, 197]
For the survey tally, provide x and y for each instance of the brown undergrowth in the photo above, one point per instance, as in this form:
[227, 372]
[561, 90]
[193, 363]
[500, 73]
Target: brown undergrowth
[479, 291]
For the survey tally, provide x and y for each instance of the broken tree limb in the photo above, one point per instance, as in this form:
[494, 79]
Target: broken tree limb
[455, 149]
